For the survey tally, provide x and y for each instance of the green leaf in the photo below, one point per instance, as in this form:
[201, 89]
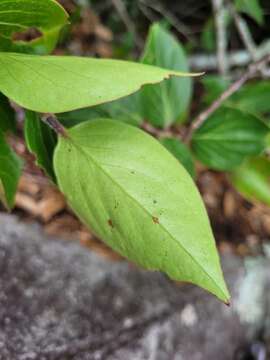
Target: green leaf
[214, 86]
[10, 170]
[125, 109]
[227, 137]
[267, 141]
[252, 179]
[253, 98]
[41, 141]
[63, 83]
[140, 200]
[251, 8]
[7, 115]
[208, 36]
[181, 152]
[168, 102]
[19, 15]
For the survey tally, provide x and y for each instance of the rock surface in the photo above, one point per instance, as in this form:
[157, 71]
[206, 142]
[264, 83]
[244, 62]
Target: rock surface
[59, 301]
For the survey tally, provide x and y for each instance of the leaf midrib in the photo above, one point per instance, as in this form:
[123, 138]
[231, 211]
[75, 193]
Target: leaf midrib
[86, 154]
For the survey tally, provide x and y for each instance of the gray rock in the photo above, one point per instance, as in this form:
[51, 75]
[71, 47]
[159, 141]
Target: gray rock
[60, 301]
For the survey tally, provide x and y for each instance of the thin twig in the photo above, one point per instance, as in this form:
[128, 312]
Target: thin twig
[246, 37]
[147, 13]
[180, 27]
[244, 32]
[53, 123]
[250, 73]
[159, 133]
[122, 11]
[220, 22]
[237, 58]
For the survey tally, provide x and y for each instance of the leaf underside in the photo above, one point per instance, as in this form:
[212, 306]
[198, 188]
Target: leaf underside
[136, 196]
[63, 83]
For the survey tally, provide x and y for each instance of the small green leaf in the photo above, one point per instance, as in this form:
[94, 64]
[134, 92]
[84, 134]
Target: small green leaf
[168, 102]
[181, 152]
[63, 83]
[18, 16]
[125, 109]
[208, 36]
[252, 179]
[41, 141]
[140, 200]
[10, 170]
[227, 137]
[7, 115]
[251, 8]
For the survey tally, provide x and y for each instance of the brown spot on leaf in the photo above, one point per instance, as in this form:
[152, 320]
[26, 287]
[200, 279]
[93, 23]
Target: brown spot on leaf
[155, 219]
[27, 35]
[110, 223]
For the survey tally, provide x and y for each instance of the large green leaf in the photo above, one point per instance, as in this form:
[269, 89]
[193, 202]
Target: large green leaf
[251, 8]
[40, 140]
[19, 15]
[253, 97]
[139, 199]
[63, 83]
[227, 137]
[252, 179]
[168, 102]
[10, 170]
[7, 115]
[126, 109]
[181, 152]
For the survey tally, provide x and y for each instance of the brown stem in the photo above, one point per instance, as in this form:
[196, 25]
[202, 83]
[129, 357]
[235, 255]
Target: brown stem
[246, 37]
[53, 123]
[243, 32]
[251, 71]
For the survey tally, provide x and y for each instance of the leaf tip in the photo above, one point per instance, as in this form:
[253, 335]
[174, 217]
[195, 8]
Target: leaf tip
[182, 74]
